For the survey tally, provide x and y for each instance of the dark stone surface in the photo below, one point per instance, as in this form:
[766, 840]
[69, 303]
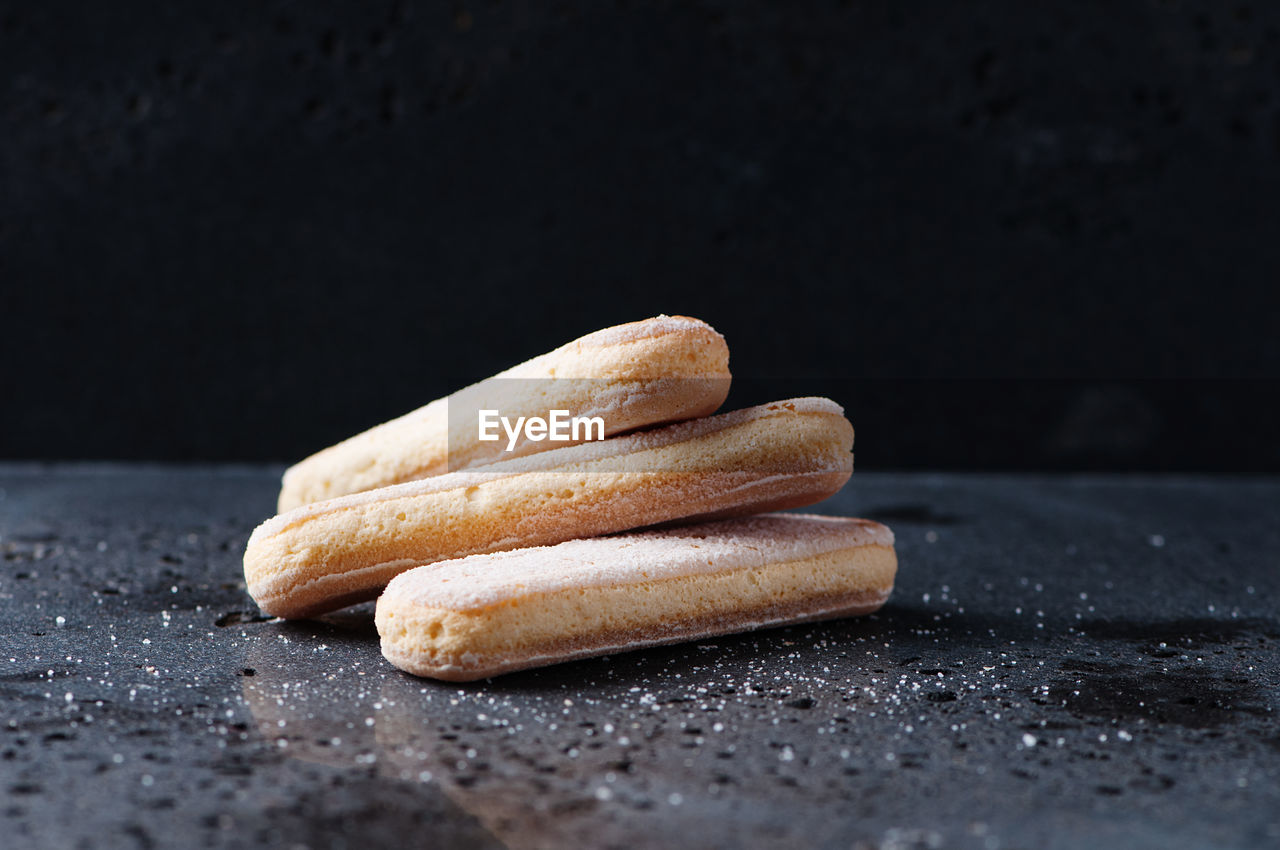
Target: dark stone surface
[1067, 662]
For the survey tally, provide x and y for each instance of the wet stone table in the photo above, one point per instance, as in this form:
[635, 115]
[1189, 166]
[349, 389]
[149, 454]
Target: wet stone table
[1066, 662]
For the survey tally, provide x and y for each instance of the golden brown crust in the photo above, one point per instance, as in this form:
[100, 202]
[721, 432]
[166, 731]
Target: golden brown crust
[594, 597]
[317, 557]
[663, 369]
[608, 642]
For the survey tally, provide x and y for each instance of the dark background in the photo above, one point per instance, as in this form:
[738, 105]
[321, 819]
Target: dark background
[1003, 237]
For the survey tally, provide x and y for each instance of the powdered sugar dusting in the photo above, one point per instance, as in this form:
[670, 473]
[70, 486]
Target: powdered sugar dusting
[634, 331]
[540, 366]
[550, 461]
[708, 548]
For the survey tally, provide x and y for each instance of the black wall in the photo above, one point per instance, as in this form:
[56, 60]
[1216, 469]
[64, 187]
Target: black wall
[1002, 236]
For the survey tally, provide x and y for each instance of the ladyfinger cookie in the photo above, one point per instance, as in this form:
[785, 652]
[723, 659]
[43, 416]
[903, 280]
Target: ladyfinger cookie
[663, 369]
[334, 553]
[487, 614]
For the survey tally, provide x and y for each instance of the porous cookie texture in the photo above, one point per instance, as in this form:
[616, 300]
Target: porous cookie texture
[483, 615]
[326, 555]
[659, 370]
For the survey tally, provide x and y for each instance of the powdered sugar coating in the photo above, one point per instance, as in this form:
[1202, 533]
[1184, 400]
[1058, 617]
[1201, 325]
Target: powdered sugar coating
[614, 447]
[466, 584]
[633, 331]
[641, 374]
[570, 354]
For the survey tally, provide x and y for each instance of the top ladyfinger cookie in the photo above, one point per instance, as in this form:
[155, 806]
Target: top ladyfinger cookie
[663, 369]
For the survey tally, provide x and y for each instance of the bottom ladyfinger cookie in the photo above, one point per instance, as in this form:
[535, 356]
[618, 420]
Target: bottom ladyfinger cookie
[479, 616]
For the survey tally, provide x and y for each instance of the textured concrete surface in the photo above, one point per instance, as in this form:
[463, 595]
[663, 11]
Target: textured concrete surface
[1067, 662]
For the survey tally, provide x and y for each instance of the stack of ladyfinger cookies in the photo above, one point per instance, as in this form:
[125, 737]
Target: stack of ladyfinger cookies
[491, 550]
